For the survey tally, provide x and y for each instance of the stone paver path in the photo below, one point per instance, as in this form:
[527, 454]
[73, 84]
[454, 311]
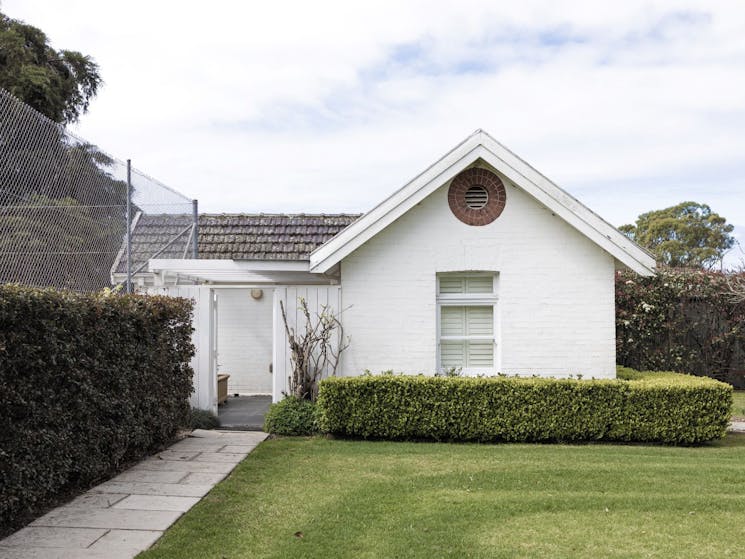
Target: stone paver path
[737, 426]
[127, 514]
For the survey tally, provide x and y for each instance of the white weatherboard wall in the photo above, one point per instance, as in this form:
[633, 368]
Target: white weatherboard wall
[205, 381]
[555, 314]
[318, 298]
[244, 345]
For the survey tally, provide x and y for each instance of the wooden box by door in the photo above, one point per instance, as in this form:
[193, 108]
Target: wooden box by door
[222, 388]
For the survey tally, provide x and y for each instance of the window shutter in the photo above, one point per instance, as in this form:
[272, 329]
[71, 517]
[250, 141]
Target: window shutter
[452, 354]
[479, 321]
[452, 284]
[452, 321]
[480, 284]
[480, 353]
[457, 285]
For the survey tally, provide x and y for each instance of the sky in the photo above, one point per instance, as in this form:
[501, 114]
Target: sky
[331, 106]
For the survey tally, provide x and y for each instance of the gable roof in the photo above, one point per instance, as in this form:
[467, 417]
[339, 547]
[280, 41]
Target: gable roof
[276, 237]
[481, 145]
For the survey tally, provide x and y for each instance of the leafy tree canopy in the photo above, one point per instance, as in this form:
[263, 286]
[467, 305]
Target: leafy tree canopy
[686, 235]
[58, 84]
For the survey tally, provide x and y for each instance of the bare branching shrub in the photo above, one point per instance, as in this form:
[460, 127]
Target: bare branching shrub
[736, 286]
[314, 349]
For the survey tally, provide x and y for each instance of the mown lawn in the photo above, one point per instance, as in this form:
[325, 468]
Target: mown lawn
[334, 498]
[738, 404]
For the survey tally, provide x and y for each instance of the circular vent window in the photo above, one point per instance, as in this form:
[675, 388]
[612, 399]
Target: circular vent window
[477, 196]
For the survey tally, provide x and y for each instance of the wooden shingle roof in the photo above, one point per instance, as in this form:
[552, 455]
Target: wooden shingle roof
[267, 236]
[285, 237]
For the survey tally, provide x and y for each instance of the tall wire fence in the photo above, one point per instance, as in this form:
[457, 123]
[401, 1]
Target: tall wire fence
[66, 208]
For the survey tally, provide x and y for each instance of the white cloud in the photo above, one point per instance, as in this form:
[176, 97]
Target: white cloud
[330, 106]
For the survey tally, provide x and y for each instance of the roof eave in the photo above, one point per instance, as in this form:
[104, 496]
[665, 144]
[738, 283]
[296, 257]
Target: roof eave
[245, 272]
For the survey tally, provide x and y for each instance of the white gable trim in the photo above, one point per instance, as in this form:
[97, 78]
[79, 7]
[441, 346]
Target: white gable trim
[482, 146]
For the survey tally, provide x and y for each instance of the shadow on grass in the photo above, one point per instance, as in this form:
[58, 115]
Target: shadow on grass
[731, 440]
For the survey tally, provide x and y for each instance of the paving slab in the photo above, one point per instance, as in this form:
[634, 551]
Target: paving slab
[127, 514]
[48, 536]
[64, 553]
[244, 412]
[211, 445]
[125, 488]
[108, 518]
[243, 436]
[183, 466]
[175, 454]
[96, 500]
[157, 502]
[228, 457]
[737, 426]
[200, 445]
[238, 437]
[205, 434]
[150, 476]
[132, 541]
[198, 478]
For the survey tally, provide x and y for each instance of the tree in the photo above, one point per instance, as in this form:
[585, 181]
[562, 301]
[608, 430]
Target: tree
[57, 83]
[686, 235]
[685, 320]
[62, 204]
[62, 209]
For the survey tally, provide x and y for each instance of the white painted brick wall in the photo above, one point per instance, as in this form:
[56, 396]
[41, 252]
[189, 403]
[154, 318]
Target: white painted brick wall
[556, 291]
[244, 329]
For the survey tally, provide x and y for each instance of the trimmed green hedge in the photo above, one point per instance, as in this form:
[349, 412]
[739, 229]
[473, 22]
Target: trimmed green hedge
[291, 416]
[87, 384]
[655, 407]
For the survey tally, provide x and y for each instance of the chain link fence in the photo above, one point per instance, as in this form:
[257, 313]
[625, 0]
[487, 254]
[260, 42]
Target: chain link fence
[66, 208]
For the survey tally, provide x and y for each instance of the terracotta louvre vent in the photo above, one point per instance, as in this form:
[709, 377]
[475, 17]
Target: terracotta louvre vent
[477, 196]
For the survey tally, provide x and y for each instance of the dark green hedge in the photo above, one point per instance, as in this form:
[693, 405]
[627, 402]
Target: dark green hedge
[692, 321]
[656, 407]
[87, 384]
[291, 416]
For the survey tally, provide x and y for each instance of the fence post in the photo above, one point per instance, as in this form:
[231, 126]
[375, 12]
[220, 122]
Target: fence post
[195, 233]
[129, 226]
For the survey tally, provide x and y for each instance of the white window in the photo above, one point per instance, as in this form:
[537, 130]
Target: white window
[466, 326]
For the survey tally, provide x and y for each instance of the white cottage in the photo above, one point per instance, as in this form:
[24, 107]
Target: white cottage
[479, 263]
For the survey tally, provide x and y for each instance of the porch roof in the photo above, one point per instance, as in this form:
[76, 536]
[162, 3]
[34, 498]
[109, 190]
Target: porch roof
[240, 272]
[252, 237]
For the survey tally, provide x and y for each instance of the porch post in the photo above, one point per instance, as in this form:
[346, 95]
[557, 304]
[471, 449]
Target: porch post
[279, 346]
[205, 385]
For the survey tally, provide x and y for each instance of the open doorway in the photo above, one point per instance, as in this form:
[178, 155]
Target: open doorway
[244, 334]
[244, 352]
